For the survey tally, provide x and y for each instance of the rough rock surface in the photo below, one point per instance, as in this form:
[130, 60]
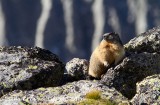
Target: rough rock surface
[148, 91]
[69, 93]
[28, 68]
[146, 42]
[142, 60]
[77, 68]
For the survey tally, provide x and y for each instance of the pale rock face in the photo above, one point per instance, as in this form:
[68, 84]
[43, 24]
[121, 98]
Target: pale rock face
[148, 91]
[77, 68]
[146, 42]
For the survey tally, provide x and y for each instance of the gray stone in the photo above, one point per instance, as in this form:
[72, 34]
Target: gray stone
[148, 91]
[131, 70]
[28, 68]
[146, 42]
[69, 93]
[77, 68]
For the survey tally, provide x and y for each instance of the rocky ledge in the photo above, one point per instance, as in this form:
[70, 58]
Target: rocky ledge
[36, 76]
[71, 93]
[23, 68]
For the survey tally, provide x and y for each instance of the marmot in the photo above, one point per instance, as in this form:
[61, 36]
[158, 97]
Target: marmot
[110, 51]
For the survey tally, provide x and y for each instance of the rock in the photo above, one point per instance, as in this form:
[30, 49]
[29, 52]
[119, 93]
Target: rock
[142, 60]
[77, 68]
[146, 42]
[69, 93]
[28, 68]
[132, 69]
[148, 91]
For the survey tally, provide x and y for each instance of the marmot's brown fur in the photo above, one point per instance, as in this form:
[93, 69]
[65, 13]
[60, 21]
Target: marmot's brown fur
[110, 51]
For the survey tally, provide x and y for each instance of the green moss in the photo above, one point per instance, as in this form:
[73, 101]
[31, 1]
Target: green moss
[158, 97]
[26, 100]
[96, 102]
[94, 94]
[4, 85]
[41, 95]
[94, 98]
[42, 89]
[32, 67]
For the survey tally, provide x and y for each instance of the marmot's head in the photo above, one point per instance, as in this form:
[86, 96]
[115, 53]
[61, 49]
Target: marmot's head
[112, 37]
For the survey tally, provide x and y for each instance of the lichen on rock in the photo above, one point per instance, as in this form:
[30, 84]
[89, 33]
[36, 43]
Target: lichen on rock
[28, 68]
[77, 68]
[148, 41]
[148, 91]
[70, 93]
[132, 69]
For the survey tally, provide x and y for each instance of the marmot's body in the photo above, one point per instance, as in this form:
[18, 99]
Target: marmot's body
[110, 51]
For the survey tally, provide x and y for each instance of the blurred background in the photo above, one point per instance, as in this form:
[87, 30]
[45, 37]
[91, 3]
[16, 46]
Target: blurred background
[73, 28]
